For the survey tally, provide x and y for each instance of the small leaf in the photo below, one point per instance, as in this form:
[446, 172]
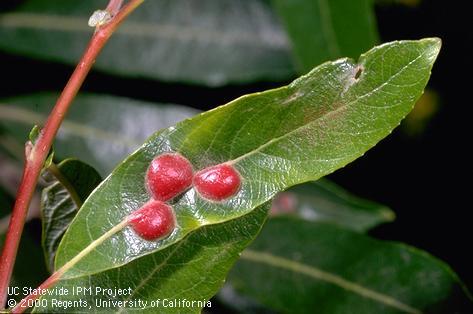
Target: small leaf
[298, 266]
[275, 139]
[33, 138]
[210, 42]
[191, 270]
[325, 201]
[71, 183]
[322, 30]
[34, 134]
[84, 133]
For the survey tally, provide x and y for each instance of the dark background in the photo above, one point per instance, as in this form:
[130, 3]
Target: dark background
[424, 179]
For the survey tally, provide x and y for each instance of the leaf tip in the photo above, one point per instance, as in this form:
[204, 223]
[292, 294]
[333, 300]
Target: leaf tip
[433, 45]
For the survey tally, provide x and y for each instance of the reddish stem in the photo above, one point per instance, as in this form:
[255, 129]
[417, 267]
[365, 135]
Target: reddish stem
[23, 305]
[36, 155]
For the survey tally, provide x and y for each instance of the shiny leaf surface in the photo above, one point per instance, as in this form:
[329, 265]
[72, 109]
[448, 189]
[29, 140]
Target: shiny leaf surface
[275, 139]
[192, 270]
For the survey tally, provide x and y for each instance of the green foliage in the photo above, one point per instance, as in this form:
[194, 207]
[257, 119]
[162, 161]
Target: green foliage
[70, 183]
[334, 119]
[336, 115]
[322, 30]
[84, 133]
[297, 266]
[211, 42]
[312, 256]
[324, 201]
[192, 269]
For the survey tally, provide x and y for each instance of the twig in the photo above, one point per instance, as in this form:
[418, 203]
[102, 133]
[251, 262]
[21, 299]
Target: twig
[36, 155]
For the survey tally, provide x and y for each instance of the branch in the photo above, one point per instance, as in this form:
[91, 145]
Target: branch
[36, 154]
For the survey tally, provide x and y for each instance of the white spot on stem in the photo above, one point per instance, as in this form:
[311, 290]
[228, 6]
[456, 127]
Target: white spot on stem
[99, 18]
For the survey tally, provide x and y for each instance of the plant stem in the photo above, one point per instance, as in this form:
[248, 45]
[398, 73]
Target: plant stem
[36, 154]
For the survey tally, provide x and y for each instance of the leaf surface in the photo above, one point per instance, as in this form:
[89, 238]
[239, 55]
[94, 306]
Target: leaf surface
[192, 270]
[298, 266]
[275, 139]
[324, 201]
[211, 42]
[322, 30]
[84, 133]
[70, 183]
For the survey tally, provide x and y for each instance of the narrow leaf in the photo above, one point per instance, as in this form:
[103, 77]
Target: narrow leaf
[211, 42]
[322, 30]
[297, 266]
[276, 139]
[84, 133]
[325, 201]
[70, 184]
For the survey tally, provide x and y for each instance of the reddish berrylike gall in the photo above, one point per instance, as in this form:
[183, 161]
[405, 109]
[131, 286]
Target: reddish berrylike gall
[153, 221]
[218, 182]
[168, 176]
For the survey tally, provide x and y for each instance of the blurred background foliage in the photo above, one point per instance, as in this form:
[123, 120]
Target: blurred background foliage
[175, 58]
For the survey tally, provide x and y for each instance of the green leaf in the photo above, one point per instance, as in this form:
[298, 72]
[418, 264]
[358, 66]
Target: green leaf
[212, 42]
[33, 138]
[276, 139]
[70, 183]
[297, 266]
[84, 133]
[34, 134]
[325, 201]
[192, 269]
[322, 30]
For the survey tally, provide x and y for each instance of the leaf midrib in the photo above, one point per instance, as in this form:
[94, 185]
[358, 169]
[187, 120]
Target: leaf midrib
[319, 274]
[307, 125]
